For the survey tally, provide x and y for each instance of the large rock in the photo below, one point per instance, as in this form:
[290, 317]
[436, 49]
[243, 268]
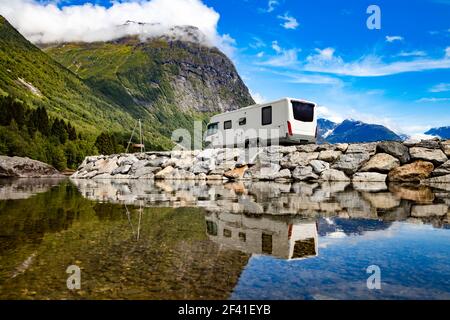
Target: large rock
[122, 169]
[307, 148]
[432, 155]
[284, 174]
[145, 172]
[430, 210]
[429, 144]
[442, 170]
[395, 149]
[304, 173]
[381, 162]
[319, 166]
[334, 175]
[298, 159]
[369, 177]
[369, 148]
[351, 162]
[203, 166]
[415, 171]
[236, 173]
[164, 173]
[25, 168]
[265, 172]
[127, 160]
[445, 145]
[329, 155]
[105, 166]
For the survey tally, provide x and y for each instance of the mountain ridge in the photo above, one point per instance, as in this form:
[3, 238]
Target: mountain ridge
[353, 131]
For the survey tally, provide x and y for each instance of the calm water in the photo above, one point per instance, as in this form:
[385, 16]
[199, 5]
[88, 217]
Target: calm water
[190, 240]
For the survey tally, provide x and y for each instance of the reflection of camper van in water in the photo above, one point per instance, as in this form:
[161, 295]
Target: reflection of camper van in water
[286, 121]
[291, 239]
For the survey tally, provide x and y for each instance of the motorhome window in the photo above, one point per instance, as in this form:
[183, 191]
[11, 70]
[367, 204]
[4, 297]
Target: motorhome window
[303, 111]
[266, 245]
[212, 128]
[242, 121]
[227, 125]
[266, 114]
[211, 228]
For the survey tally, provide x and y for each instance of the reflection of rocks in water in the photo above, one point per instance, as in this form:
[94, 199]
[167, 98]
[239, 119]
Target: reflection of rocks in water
[281, 237]
[13, 189]
[416, 193]
[172, 259]
[327, 199]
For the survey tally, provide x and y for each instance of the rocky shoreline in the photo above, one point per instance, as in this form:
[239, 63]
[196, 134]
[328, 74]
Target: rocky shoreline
[425, 161]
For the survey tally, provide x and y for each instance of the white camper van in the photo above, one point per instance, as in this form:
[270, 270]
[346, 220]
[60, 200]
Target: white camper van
[285, 121]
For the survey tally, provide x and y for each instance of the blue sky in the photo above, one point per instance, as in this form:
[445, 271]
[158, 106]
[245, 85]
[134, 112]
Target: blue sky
[331, 57]
[323, 51]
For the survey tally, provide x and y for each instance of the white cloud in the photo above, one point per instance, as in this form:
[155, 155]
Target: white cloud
[257, 97]
[441, 87]
[286, 58]
[393, 38]
[415, 53]
[276, 47]
[313, 79]
[46, 22]
[325, 61]
[271, 5]
[324, 112]
[289, 22]
[260, 54]
[432, 100]
[257, 43]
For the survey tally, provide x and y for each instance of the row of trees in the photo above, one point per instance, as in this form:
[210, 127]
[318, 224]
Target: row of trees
[32, 133]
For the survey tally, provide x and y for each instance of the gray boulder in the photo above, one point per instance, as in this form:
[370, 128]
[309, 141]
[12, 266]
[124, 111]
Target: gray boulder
[351, 162]
[395, 149]
[369, 177]
[381, 162]
[304, 174]
[334, 175]
[435, 156]
[319, 166]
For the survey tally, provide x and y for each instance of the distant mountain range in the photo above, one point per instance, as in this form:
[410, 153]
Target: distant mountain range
[351, 131]
[442, 132]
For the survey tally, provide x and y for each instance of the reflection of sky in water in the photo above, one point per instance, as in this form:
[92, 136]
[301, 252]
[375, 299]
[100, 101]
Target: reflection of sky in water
[413, 261]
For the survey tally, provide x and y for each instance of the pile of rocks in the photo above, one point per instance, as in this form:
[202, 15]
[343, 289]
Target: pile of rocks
[419, 161]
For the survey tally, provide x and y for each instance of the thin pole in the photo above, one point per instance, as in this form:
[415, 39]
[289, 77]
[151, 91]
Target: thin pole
[132, 133]
[140, 135]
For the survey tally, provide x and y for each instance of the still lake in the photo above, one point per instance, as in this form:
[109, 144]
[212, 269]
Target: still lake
[201, 240]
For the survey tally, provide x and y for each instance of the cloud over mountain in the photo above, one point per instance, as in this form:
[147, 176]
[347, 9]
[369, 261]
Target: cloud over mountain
[47, 22]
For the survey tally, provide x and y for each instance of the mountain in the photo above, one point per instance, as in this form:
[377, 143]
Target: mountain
[175, 80]
[168, 81]
[325, 128]
[32, 76]
[442, 132]
[350, 131]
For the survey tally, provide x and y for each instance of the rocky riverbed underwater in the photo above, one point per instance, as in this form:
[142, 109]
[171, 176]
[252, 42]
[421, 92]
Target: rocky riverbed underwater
[174, 239]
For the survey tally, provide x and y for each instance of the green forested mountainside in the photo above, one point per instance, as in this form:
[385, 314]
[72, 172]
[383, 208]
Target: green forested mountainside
[176, 81]
[105, 87]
